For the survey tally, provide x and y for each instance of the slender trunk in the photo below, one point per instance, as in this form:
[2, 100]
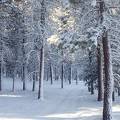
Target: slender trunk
[100, 73]
[118, 91]
[1, 65]
[113, 96]
[91, 84]
[0, 75]
[92, 87]
[89, 87]
[62, 75]
[41, 74]
[23, 77]
[34, 79]
[13, 77]
[47, 75]
[36, 76]
[23, 66]
[62, 72]
[108, 84]
[55, 73]
[76, 76]
[70, 73]
[13, 87]
[51, 74]
[41, 69]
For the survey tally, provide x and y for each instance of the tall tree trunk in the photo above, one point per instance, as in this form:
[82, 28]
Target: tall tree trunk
[34, 80]
[55, 73]
[108, 84]
[118, 91]
[41, 71]
[36, 76]
[92, 87]
[51, 73]
[0, 75]
[100, 73]
[13, 86]
[47, 75]
[89, 88]
[70, 73]
[91, 84]
[62, 73]
[113, 96]
[23, 66]
[13, 77]
[23, 77]
[41, 74]
[76, 76]
[1, 65]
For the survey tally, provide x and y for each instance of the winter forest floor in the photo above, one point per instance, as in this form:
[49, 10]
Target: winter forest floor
[71, 103]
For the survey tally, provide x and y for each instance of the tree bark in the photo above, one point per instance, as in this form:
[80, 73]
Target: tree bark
[92, 87]
[91, 84]
[100, 73]
[62, 73]
[51, 73]
[13, 77]
[34, 79]
[108, 84]
[118, 91]
[89, 89]
[70, 73]
[23, 77]
[113, 96]
[0, 75]
[1, 65]
[41, 69]
[55, 73]
[23, 66]
[76, 76]
[47, 75]
[41, 74]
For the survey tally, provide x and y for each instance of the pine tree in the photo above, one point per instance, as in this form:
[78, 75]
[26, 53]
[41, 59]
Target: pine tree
[41, 71]
[108, 84]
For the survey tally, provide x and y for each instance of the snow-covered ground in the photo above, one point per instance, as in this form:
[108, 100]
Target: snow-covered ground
[71, 103]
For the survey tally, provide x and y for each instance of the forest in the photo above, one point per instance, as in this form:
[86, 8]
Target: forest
[59, 59]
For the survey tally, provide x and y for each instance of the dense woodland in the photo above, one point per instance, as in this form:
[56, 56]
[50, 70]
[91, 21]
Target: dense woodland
[62, 41]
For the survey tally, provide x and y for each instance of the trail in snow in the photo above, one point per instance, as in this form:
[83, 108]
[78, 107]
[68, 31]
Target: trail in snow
[71, 103]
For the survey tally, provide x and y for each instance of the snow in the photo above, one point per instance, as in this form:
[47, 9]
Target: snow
[93, 3]
[71, 103]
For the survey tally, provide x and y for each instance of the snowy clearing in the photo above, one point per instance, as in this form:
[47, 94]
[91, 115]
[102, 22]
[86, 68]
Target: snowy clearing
[71, 103]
